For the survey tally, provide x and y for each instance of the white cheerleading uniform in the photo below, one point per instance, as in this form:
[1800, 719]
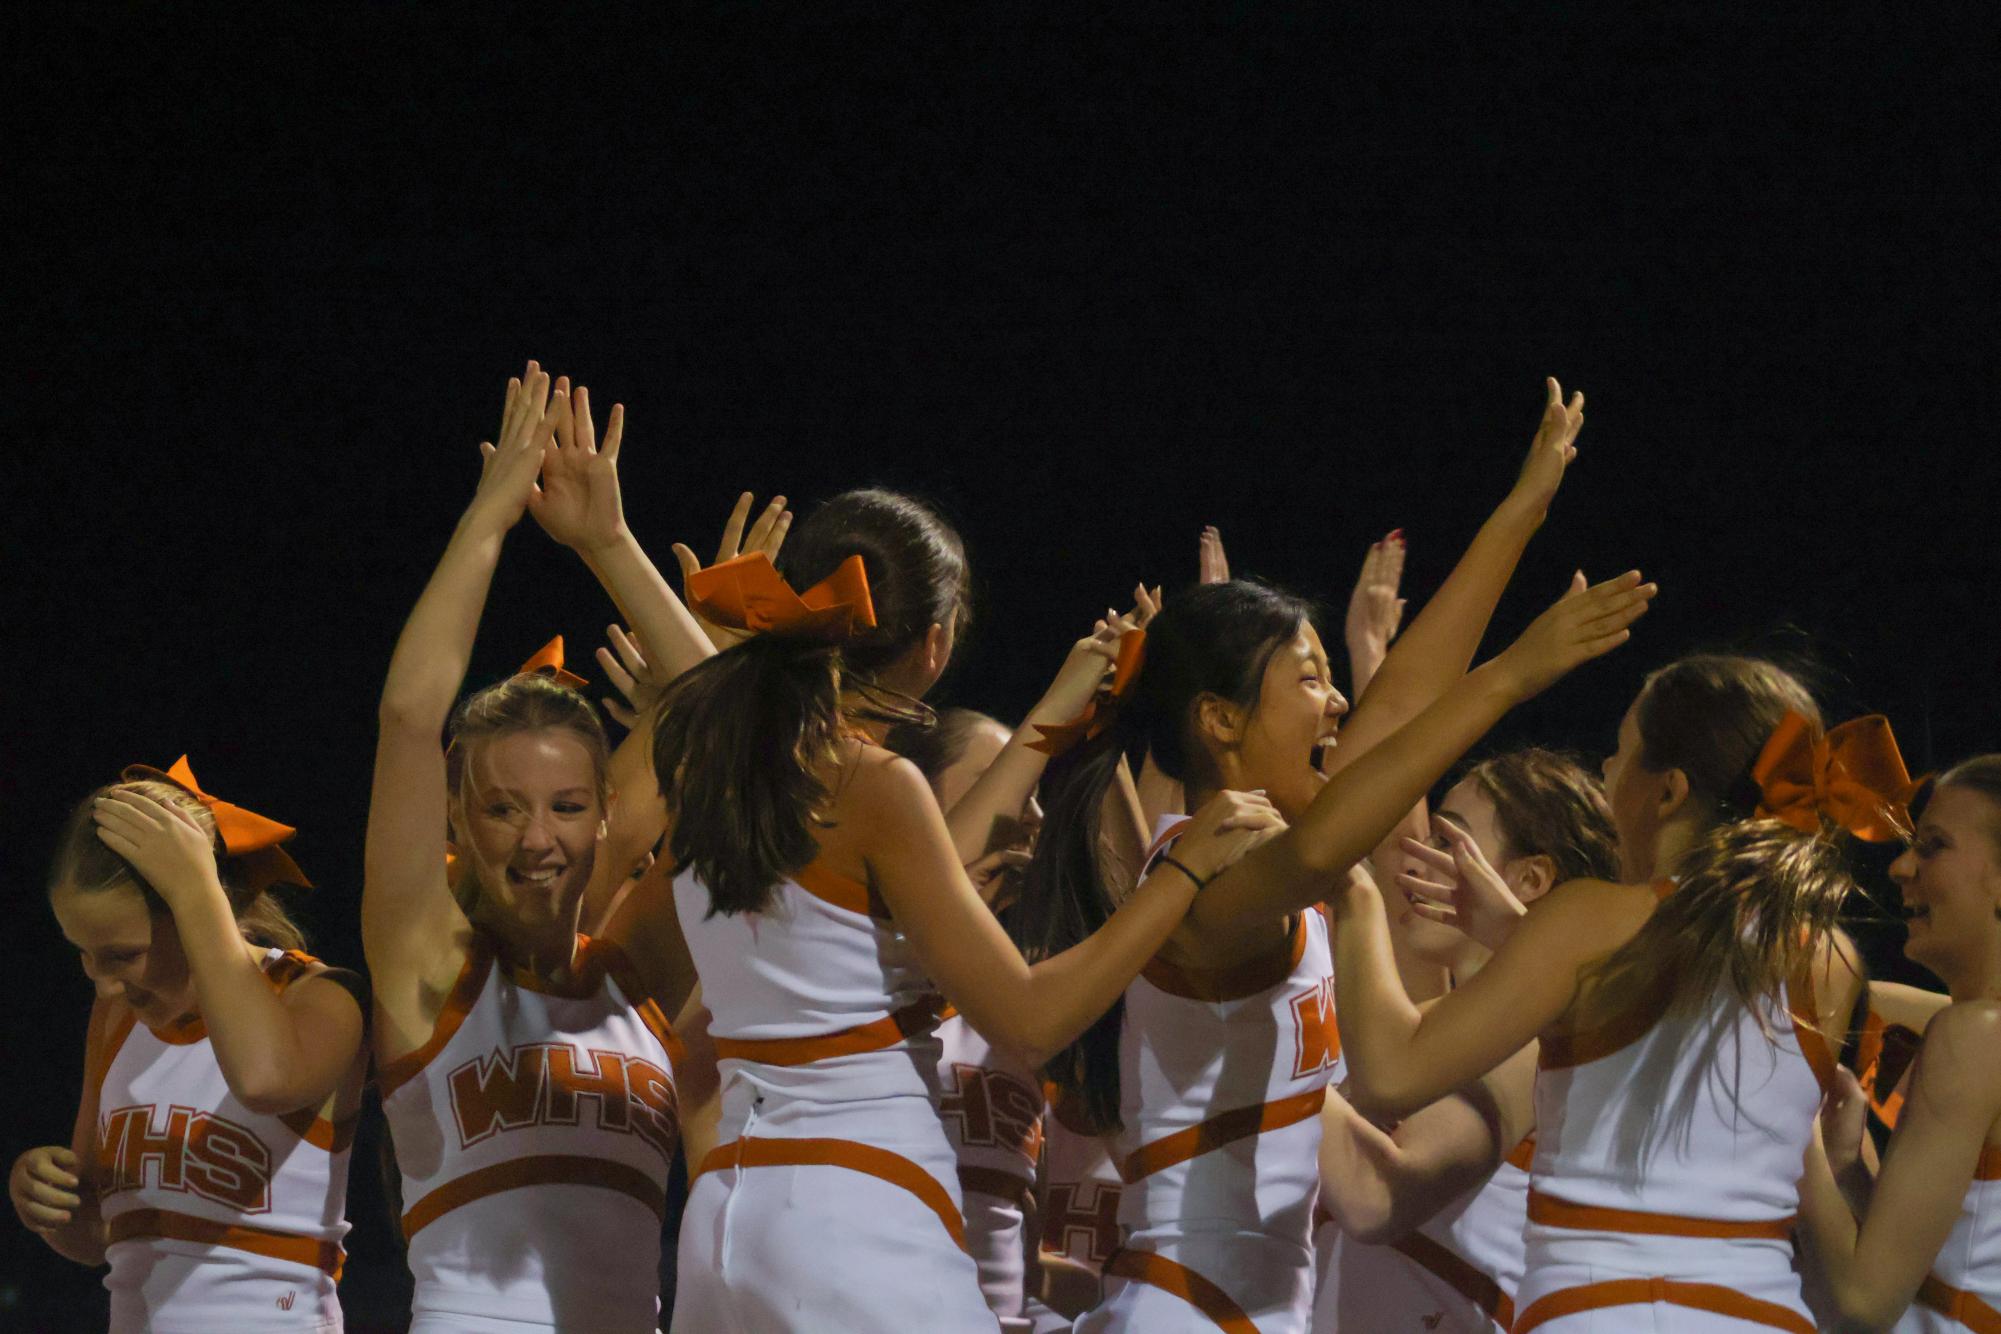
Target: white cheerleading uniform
[1666, 1181]
[832, 1202]
[991, 1107]
[534, 1130]
[1079, 1209]
[1457, 1273]
[1222, 1077]
[1963, 1290]
[219, 1217]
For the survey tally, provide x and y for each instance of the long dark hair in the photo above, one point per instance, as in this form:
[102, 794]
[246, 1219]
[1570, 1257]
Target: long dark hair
[1216, 639]
[742, 738]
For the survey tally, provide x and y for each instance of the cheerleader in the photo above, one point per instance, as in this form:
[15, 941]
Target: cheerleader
[526, 1071]
[1443, 1197]
[1214, 1072]
[831, 920]
[222, 1076]
[1683, 1017]
[1929, 1226]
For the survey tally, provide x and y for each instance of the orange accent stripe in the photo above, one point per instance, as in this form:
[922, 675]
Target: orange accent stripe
[1804, 1007]
[920, 1016]
[97, 1060]
[1553, 1212]
[1218, 1131]
[1456, 1273]
[553, 1169]
[1988, 1168]
[1562, 1050]
[840, 891]
[392, 1075]
[1955, 1304]
[1523, 1154]
[1232, 983]
[318, 1131]
[1001, 1185]
[1648, 1291]
[1160, 1272]
[866, 1158]
[291, 1247]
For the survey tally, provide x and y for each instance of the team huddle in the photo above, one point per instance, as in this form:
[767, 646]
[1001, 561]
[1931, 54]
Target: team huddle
[1184, 1005]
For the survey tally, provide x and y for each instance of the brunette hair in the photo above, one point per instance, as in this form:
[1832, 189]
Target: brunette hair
[1548, 804]
[1980, 774]
[742, 738]
[1215, 639]
[1755, 897]
[83, 862]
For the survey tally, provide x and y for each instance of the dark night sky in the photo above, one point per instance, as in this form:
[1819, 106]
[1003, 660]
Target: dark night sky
[1089, 283]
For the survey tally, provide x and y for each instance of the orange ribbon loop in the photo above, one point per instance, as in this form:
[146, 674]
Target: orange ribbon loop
[1103, 710]
[248, 839]
[1853, 775]
[747, 594]
[548, 660]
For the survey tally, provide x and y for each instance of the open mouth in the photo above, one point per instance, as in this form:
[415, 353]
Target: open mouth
[1317, 757]
[542, 878]
[1918, 912]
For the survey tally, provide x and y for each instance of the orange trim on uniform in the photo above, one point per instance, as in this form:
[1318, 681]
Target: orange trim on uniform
[1649, 1291]
[839, 890]
[1956, 1304]
[1455, 1272]
[616, 962]
[1561, 1050]
[1235, 982]
[291, 1247]
[1523, 1154]
[1217, 1131]
[321, 1133]
[877, 1162]
[920, 1016]
[97, 1059]
[1553, 1212]
[392, 1075]
[1804, 1008]
[1988, 1166]
[552, 1169]
[1160, 1272]
[1001, 1185]
[281, 972]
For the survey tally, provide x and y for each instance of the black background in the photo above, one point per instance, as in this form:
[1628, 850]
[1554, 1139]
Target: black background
[1089, 282]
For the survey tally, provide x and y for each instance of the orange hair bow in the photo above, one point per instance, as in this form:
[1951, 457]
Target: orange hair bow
[248, 839]
[549, 661]
[1853, 775]
[747, 594]
[1103, 709]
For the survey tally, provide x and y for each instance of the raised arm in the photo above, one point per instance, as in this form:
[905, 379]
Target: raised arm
[280, 1052]
[1034, 1010]
[1875, 1269]
[1359, 806]
[1437, 648]
[410, 927]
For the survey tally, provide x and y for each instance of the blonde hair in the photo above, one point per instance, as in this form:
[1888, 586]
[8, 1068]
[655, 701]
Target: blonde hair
[83, 862]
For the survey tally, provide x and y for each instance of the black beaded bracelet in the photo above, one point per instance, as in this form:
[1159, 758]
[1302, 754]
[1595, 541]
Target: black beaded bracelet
[1200, 883]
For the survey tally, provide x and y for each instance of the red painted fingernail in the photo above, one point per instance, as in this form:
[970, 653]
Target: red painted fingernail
[1395, 536]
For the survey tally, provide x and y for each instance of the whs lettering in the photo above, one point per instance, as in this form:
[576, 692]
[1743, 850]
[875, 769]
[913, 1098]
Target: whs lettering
[1316, 1041]
[195, 1151]
[993, 1110]
[549, 1084]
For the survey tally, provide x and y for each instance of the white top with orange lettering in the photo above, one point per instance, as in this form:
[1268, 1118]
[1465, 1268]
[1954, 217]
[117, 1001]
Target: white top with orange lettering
[1963, 1290]
[534, 1131]
[1082, 1189]
[219, 1217]
[991, 1106]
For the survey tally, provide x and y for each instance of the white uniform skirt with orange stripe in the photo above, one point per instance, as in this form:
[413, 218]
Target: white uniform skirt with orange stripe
[219, 1217]
[1666, 1174]
[1963, 1291]
[1078, 1211]
[832, 1202]
[1222, 1078]
[991, 1107]
[1456, 1274]
[534, 1131]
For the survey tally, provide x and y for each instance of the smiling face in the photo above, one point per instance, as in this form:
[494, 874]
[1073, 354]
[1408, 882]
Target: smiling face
[1950, 878]
[529, 817]
[1297, 712]
[131, 954]
[1467, 806]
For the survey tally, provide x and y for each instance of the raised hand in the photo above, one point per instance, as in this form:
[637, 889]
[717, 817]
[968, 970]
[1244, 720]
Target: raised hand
[1460, 887]
[766, 535]
[511, 462]
[579, 503]
[1585, 623]
[162, 842]
[633, 677]
[1554, 446]
[991, 872]
[1213, 567]
[46, 1187]
[1229, 825]
[1844, 1119]
[1375, 612]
